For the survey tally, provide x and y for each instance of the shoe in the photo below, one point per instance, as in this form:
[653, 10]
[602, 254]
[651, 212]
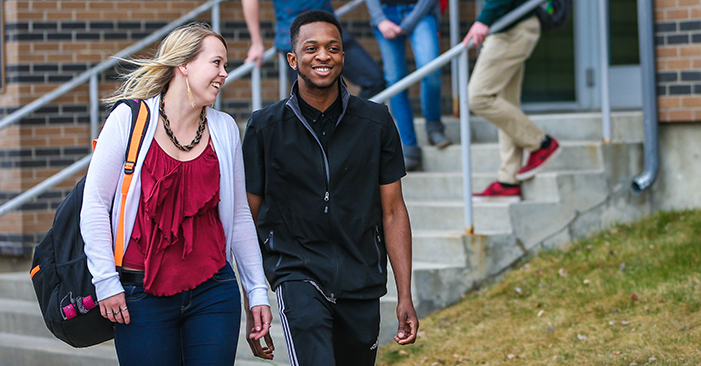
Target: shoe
[412, 158]
[498, 193]
[438, 139]
[538, 159]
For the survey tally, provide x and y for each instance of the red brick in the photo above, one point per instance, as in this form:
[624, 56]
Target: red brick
[681, 116]
[677, 14]
[668, 102]
[691, 102]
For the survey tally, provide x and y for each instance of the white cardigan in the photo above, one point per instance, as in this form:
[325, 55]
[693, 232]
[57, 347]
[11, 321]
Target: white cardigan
[104, 179]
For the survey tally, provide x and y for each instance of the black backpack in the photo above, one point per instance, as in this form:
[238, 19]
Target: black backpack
[60, 275]
[554, 14]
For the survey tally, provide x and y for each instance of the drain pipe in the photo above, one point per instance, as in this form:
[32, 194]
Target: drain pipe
[647, 66]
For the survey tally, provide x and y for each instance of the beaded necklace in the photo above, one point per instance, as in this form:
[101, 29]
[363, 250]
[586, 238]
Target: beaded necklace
[169, 132]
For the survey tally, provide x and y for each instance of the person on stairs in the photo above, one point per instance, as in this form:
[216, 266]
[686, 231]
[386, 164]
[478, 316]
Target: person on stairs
[394, 22]
[494, 93]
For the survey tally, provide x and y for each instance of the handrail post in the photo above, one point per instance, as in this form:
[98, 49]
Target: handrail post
[94, 107]
[282, 76]
[256, 102]
[604, 64]
[454, 39]
[465, 140]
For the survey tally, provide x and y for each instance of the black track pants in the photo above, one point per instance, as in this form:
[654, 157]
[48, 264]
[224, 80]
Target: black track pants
[319, 332]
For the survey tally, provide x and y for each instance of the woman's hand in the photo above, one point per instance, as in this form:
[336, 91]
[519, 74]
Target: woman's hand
[258, 323]
[115, 309]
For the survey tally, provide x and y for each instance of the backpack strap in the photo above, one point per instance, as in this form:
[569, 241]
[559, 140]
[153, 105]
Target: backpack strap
[140, 117]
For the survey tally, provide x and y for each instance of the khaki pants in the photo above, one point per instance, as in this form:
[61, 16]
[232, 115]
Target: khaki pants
[495, 93]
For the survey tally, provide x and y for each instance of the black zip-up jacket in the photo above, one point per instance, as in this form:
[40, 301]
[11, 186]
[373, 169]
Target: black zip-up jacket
[320, 218]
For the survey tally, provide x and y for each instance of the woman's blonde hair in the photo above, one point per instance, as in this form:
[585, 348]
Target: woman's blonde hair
[152, 75]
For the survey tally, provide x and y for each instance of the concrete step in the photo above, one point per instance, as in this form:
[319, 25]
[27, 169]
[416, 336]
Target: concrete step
[449, 215]
[22, 317]
[25, 350]
[626, 126]
[575, 155]
[448, 185]
[439, 246]
[16, 285]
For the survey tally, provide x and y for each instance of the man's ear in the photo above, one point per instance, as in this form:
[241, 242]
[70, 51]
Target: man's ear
[292, 60]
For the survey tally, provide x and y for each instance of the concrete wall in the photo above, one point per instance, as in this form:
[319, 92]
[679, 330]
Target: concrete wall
[679, 176]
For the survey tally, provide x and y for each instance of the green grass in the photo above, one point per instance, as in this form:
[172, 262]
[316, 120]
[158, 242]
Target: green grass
[630, 295]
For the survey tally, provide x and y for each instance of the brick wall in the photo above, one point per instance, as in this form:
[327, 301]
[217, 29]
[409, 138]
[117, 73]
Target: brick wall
[678, 39]
[49, 42]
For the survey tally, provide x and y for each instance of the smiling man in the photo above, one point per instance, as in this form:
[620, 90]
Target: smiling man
[323, 175]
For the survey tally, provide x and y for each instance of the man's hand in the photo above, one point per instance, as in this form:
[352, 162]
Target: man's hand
[255, 54]
[408, 323]
[389, 29]
[258, 323]
[477, 33]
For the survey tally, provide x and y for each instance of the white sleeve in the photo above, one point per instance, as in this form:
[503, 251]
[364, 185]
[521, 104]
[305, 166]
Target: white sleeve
[101, 184]
[245, 241]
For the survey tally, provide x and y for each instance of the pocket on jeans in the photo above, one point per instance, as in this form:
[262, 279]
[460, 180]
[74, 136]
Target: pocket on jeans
[225, 274]
[134, 293]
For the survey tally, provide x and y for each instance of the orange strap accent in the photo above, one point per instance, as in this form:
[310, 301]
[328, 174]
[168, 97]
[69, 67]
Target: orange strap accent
[134, 143]
[34, 271]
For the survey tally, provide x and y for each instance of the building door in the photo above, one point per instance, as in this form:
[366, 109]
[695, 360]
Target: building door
[564, 71]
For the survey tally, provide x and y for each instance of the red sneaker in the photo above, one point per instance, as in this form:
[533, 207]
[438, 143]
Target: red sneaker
[498, 193]
[538, 160]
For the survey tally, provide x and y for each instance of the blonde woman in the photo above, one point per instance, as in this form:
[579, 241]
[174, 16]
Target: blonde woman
[175, 299]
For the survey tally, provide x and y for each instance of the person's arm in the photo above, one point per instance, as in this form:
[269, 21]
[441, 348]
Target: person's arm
[101, 184]
[397, 230]
[254, 340]
[421, 9]
[376, 14]
[251, 14]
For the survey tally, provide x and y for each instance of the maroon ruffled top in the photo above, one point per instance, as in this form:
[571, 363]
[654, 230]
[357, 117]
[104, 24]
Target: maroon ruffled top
[178, 239]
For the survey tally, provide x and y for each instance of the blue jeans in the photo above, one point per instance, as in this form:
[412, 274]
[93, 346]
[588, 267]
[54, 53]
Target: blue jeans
[195, 327]
[424, 44]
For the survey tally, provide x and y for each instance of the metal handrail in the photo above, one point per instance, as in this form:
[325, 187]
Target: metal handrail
[459, 50]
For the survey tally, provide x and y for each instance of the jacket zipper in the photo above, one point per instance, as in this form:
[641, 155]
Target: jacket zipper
[326, 198]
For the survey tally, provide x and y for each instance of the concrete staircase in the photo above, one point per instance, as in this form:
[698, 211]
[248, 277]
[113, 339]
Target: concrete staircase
[585, 189]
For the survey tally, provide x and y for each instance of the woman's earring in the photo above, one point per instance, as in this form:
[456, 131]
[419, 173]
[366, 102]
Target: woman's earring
[189, 93]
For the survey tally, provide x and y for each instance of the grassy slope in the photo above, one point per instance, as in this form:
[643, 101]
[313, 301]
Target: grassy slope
[630, 295]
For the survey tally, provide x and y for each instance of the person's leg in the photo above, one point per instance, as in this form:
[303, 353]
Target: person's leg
[360, 69]
[501, 57]
[511, 154]
[212, 317]
[424, 43]
[356, 329]
[307, 323]
[153, 333]
[394, 60]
